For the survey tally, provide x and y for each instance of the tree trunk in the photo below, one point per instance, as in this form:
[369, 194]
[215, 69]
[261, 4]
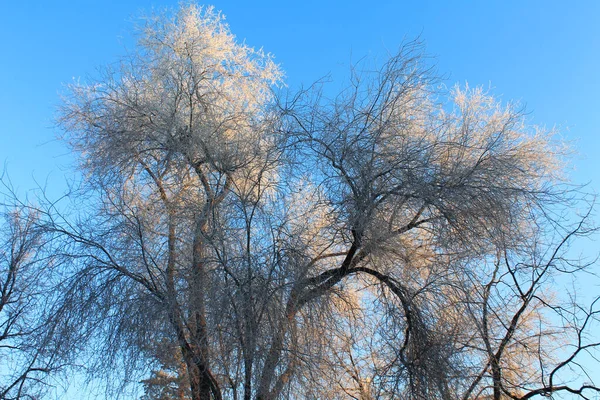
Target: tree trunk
[202, 385]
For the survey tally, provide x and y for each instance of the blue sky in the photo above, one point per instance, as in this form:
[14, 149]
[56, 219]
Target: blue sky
[545, 54]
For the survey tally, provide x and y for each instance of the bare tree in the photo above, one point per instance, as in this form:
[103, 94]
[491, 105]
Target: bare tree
[25, 340]
[169, 138]
[382, 243]
[528, 337]
[424, 198]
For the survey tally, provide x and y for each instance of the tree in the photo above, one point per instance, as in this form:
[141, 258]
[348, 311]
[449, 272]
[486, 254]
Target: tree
[24, 338]
[379, 244]
[170, 381]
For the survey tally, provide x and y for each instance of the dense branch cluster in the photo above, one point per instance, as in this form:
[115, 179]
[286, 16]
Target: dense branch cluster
[241, 243]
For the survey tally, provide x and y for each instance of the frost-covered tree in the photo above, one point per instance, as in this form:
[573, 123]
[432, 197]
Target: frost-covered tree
[391, 241]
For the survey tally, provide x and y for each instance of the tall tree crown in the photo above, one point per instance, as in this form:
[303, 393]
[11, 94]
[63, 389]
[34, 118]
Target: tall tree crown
[392, 241]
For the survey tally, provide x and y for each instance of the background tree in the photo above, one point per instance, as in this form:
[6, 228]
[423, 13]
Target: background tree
[28, 350]
[169, 382]
[382, 243]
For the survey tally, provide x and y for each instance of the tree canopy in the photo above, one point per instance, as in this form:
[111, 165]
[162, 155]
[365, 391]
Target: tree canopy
[233, 239]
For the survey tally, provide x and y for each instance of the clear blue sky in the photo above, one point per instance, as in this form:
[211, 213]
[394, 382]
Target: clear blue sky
[545, 54]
